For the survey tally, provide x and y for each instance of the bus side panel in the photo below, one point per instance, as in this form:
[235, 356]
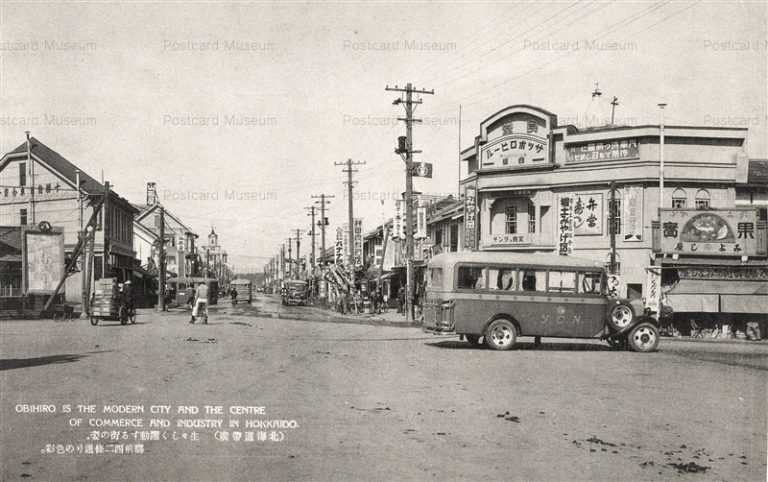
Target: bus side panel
[536, 314]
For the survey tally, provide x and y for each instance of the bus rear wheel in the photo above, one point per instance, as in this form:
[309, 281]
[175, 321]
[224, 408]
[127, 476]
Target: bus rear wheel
[501, 334]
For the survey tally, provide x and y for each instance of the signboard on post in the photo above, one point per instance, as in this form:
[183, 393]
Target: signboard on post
[398, 220]
[422, 169]
[421, 223]
[358, 241]
[470, 211]
[721, 232]
[44, 261]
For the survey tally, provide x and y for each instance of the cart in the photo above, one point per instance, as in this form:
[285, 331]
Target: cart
[244, 290]
[106, 304]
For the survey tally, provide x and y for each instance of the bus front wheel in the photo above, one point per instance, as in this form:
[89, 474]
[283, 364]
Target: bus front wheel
[501, 334]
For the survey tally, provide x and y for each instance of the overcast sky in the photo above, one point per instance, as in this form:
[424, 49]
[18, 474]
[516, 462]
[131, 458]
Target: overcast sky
[257, 100]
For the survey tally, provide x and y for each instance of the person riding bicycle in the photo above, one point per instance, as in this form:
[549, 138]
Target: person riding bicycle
[201, 298]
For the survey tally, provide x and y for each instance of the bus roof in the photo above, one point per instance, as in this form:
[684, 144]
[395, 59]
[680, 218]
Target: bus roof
[448, 260]
[187, 279]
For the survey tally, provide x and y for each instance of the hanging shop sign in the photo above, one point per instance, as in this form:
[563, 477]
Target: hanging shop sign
[653, 288]
[513, 150]
[722, 232]
[470, 212]
[632, 213]
[599, 151]
[566, 227]
[422, 169]
[588, 214]
[398, 220]
[339, 245]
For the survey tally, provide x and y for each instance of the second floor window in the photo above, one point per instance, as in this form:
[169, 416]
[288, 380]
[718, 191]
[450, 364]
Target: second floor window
[702, 199]
[22, 174]
[678, 199]
[510, 220]
[23, 217]
[531, 217]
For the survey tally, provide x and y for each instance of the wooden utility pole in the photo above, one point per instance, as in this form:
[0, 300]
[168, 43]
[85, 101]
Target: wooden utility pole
[350, 208]
[161, 262]
[105, 230]
[407, 152]
[290, 259]
[298, 256]
[31, 169]
[312, 233]
[323, 200]
[612, 226]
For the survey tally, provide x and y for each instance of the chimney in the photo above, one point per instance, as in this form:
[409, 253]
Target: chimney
[151, 194]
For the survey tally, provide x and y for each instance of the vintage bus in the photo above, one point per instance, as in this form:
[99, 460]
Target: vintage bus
[499, 296]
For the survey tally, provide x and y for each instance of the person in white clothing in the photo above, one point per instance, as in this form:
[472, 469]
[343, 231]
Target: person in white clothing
[201, 298]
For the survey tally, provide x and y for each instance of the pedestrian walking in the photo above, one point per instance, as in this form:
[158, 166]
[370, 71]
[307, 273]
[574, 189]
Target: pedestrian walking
[201, 300]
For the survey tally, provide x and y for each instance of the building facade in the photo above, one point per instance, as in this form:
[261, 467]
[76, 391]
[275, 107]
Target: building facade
[41, 185]
[536, 186]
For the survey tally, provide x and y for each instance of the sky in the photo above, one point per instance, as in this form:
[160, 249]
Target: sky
[240, 110]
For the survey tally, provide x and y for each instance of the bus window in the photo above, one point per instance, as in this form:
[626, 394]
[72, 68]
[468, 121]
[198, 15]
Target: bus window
[471, 277]
[435, 279]
[562, 281]
[502, 279]
[533, 280]
[590, 283]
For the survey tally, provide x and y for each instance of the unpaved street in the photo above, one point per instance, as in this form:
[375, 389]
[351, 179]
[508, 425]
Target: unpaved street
[384, 403]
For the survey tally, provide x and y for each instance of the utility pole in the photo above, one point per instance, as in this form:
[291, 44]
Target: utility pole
[661, 157]
[298, 256]
[161, 262]
[105, 230]
[406, 151]
[614, 103]
[282, 262]
[81, 237]
[350, 183]
[290, 259]
[312, 233]
[612, 226]
[323, 200]
[31, 169]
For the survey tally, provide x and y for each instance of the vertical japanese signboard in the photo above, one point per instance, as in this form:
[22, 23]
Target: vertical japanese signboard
[566, 227]
[470, 211]
[632, 213]
[588, 214]
[398, 220]
[358, 253]
[340, 246]
[722, 232]
[421, 222]
[653, 288]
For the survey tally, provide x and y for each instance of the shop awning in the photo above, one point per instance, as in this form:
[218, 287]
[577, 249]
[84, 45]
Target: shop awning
[719, 296]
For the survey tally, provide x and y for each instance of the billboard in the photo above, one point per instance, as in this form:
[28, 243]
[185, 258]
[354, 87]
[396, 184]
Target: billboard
[470, 211]
[44, 260]
[608, 151]
[587, 212]
[719, 232]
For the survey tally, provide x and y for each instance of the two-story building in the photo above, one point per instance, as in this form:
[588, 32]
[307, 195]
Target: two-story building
[534, 185]
[180, 250]
[38, 184]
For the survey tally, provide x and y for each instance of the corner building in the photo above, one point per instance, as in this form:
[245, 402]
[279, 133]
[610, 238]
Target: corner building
[536, 186]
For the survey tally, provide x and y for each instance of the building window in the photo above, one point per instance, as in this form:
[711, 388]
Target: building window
[614, 214]
[510, 220]
[702, 199]
[531, 217]
[23, 217]
[678, 199]
[22, 174]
